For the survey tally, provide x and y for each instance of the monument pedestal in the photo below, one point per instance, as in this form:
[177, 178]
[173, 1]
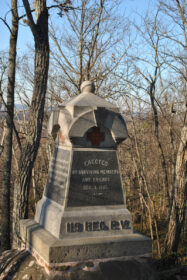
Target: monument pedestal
[82, 214]
[54, 253]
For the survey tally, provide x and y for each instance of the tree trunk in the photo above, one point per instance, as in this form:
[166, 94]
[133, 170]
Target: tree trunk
[7, 153]
[30, 149]
[178, 207]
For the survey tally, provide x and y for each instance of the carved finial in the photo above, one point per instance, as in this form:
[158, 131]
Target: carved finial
[87, 86]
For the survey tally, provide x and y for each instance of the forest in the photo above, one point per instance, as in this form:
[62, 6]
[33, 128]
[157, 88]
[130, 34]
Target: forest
[137, 60]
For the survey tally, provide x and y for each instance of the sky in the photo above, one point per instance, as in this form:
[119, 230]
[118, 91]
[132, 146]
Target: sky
[129, 7]
[25, 38]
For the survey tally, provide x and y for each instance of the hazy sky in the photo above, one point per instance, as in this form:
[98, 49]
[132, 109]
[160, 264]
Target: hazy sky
[25, 36]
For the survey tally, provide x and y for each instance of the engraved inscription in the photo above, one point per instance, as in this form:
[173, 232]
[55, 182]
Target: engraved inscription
[117, 225]
[57, 176]
[95, 179]
[98, 226]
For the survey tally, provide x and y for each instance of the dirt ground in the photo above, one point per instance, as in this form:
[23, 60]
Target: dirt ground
[20, 265]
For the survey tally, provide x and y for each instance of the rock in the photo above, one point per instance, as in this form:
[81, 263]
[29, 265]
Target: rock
[128, 270]
[20, 265]
[87, 275]
[80, 275]
[89, 264]
[175, 273]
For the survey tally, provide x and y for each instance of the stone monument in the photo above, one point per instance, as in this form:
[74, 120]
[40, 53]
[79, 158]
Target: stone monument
[82, 214]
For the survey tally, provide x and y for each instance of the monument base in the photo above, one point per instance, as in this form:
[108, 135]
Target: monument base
[55, 253]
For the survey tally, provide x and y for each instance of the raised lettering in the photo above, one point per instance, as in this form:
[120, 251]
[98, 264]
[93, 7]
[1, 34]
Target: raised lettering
[68, 228]
[125, 224]
[72, 227]
[86, 179]
[95, 162]
[103, 226]
[75, 227]
[115, 225]
[96, 226]
[79, 227]
[89, 226]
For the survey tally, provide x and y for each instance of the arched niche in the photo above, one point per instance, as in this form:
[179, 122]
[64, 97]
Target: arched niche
[55, 131]
[95, 137]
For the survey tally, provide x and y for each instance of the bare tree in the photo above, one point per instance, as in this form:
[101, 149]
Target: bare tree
[7, 154]
[88, 48]
[39, 29]
[176, 11]
[179, 200]
[29, 151]
[156, 77]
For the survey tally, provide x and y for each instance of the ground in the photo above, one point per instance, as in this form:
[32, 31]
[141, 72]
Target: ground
[20, 265]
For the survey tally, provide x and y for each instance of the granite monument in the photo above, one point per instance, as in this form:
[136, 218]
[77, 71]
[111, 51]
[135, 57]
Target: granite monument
[82, 214]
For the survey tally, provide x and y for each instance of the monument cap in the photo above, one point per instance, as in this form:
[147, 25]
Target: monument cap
[88, 86]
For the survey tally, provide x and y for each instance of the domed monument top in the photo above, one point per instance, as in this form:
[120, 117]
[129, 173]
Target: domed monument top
[87, 98]
[87, 86]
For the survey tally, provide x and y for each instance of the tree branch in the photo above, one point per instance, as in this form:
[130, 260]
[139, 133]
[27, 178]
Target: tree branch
[4, 21]
[30, 18]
